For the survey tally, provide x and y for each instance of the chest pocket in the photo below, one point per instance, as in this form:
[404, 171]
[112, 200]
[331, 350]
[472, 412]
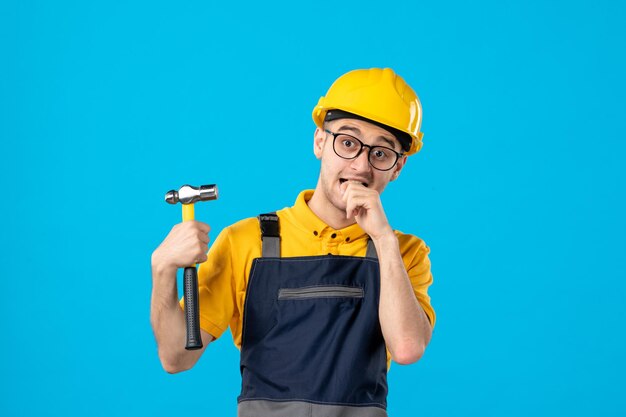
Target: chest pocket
[307, 293]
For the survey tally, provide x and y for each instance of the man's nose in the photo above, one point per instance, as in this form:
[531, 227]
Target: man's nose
[361, 163]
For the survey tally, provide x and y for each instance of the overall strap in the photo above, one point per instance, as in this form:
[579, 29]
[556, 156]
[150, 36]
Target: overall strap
[371, 250]
[270, 235]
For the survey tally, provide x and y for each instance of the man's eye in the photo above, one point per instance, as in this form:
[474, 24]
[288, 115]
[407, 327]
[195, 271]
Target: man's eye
[380, 154]
[347, 143]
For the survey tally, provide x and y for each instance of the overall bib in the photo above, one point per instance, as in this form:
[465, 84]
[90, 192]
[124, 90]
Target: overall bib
[312, 344]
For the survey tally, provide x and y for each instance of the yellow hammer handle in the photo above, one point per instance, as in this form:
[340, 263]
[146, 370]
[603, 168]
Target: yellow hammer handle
[188, 214]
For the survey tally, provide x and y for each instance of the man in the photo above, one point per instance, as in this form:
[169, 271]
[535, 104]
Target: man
[320, 296]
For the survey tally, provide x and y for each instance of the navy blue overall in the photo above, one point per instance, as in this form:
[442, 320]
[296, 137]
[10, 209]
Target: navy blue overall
[312, 343]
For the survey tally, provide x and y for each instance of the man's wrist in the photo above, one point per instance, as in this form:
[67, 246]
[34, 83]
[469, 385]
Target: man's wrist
[385, 239]
[160, 268]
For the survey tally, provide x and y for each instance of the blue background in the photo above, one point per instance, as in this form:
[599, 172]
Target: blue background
[519, 189]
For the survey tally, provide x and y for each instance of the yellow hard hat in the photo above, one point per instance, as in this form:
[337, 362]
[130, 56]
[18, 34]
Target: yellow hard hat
[379, 95]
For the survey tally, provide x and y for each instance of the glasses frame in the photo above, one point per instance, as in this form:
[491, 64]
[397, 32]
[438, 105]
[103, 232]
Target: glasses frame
[369, 153]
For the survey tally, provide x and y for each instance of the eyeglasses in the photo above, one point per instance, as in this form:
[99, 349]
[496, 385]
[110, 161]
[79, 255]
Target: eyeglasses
[348, 147]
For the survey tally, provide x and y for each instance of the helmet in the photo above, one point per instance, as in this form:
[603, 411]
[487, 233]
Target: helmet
[379, 95]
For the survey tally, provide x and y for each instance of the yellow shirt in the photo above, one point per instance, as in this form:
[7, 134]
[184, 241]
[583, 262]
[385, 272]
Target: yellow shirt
[223, 278]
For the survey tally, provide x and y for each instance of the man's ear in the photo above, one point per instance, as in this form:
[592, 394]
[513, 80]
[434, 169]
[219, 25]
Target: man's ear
[319, 138]
[399, 165]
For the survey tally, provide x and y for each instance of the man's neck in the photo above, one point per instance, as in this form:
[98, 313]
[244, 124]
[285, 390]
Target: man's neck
[327, 212]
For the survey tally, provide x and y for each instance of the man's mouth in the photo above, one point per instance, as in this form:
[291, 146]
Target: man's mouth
[342, 180]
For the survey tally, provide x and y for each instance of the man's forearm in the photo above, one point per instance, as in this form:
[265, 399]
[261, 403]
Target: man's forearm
[404, 324]
[168, 323]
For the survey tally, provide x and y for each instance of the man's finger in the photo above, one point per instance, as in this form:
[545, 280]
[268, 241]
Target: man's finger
[352, 208]
[204, 238]
[205, 228]
[349, 210]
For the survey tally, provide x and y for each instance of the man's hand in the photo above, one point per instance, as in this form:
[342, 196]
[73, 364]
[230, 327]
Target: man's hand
[364, 205]
[404, 324]
[186, 244]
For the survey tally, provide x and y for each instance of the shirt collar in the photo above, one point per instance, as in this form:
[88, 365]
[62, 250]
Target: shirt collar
[302, 216]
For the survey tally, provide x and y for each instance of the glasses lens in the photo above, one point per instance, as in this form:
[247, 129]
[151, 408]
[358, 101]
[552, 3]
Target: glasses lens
[382, 158]
[346, 146]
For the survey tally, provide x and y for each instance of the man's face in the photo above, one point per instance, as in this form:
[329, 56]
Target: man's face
[336, 171]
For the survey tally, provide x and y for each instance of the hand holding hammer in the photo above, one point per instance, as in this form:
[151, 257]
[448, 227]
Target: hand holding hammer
[187, 196]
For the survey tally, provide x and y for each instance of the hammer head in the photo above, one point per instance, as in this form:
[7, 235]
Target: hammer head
[189, 195]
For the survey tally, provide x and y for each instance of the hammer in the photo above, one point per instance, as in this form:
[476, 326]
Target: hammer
[187, 196]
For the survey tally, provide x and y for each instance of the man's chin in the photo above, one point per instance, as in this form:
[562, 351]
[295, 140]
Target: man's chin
[336, 200]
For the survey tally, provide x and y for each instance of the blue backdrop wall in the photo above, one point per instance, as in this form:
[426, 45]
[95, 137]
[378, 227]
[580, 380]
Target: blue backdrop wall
[519, 189]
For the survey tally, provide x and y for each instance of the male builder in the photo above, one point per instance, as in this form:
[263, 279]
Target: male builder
[320, 296]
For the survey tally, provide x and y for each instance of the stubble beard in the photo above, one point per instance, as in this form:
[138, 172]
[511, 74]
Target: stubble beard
[331, 193]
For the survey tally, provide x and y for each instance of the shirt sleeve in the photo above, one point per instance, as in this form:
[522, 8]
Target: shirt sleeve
[215, 287]
[418, 268]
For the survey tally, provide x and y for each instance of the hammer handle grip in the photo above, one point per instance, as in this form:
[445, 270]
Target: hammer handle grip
[190, 288]
[188, 212]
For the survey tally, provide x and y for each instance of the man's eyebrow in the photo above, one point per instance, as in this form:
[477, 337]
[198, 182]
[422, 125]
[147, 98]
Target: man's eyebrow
[350, 128]
[391, 143]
